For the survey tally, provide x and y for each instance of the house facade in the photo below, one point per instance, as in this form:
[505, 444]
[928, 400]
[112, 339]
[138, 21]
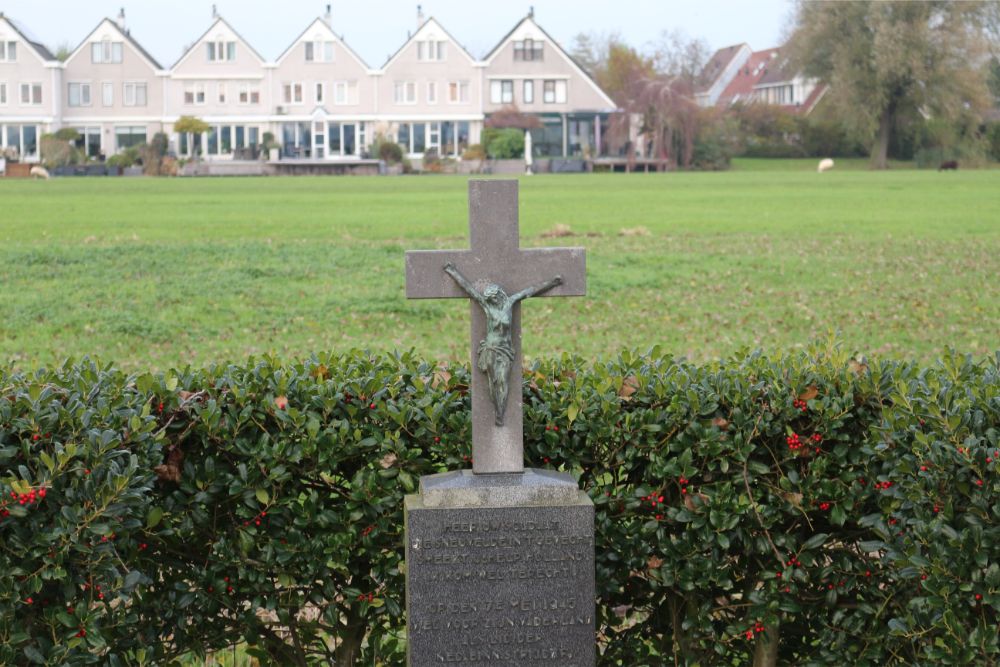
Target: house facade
[318, 100]
[30, 82]
[429, 94]
[112, 91]
[530, 71]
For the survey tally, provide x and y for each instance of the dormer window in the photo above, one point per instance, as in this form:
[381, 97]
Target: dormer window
[319, 52]
[221, 51]
[432, 50]
[8, 52]
[106, 51]
[528, 49]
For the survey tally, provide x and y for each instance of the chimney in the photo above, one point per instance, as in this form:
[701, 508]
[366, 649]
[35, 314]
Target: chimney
[420, 16]
[328, 16]
[215, 12]
[531, 12]
[121, 19]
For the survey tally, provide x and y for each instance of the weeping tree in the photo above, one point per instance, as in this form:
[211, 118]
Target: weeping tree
[890, 60]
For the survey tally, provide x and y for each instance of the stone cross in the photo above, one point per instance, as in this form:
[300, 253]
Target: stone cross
[495, 257]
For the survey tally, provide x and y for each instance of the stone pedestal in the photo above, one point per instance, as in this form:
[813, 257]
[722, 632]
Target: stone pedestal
[500, 571]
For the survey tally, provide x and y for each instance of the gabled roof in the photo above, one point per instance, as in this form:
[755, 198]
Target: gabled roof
[216, 22]
[717, 64]
[150, 60]
[570, 59]
[778, 72]
[747, 77]
[414, 36]
[40, 49]
[337, 37]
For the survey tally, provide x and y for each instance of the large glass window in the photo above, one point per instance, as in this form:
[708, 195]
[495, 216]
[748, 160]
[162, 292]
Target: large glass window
[350, 145]
[29, 134]
[419, 137]
[89, 141]
[403, 137]
[126, 137]
[404, 92]
[227, 140]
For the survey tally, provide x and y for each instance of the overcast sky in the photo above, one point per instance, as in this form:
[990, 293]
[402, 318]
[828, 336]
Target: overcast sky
[376, 28]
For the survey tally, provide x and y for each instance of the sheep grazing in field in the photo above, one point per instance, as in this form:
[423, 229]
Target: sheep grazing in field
[40, 172]
[948, 164]
[826, 164]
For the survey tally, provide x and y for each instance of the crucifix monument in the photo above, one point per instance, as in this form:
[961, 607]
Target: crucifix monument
[495, 263]
[499, 559]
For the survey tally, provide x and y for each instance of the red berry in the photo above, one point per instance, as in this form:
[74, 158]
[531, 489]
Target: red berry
[29, 601]
[36, 437]
[372, 406]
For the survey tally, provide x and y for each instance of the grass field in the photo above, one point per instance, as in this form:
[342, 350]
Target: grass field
[158, 273]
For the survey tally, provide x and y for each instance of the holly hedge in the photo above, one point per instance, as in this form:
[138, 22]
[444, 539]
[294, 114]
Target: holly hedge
[809, 509]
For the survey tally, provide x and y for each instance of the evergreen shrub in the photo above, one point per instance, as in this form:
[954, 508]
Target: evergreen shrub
[845, 510]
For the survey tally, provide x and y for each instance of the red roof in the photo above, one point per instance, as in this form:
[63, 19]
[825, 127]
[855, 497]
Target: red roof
[741, 87]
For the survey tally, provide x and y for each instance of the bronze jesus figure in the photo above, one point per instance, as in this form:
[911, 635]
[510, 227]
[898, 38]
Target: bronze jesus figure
[496, 351]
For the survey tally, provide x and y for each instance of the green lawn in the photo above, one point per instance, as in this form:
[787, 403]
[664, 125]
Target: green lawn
[153, 273]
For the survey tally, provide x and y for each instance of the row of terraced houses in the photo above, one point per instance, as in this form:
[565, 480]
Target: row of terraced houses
[319, 99]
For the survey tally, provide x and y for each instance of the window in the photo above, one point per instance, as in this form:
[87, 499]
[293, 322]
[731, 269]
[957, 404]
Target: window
[222, 93]
[292, 93]
[554, 92]
[502, 92]
[431, 51]
[89, 141]
[319, 93]
[31, 93]
[221, 51]
[458, 92]
[432, 96]
[345, 92]
[194, 93]
[528, 49]
[106, 52]
[8, 52]
[404, 92]
[319, 51]
[79, 95]
[3, 94]
[529, 91]
[135, 95]
[249, 94]
[108, 93]
[22, 139]
[126, 137]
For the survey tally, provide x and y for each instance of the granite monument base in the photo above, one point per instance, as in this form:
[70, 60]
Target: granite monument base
[500, 571]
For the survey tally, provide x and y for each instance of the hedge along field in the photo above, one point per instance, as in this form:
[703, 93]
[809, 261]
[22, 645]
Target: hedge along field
[807, 509]
[161, 273]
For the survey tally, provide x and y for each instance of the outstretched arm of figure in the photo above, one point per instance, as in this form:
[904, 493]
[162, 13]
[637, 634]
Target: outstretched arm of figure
[450, 269]
[536, 289]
